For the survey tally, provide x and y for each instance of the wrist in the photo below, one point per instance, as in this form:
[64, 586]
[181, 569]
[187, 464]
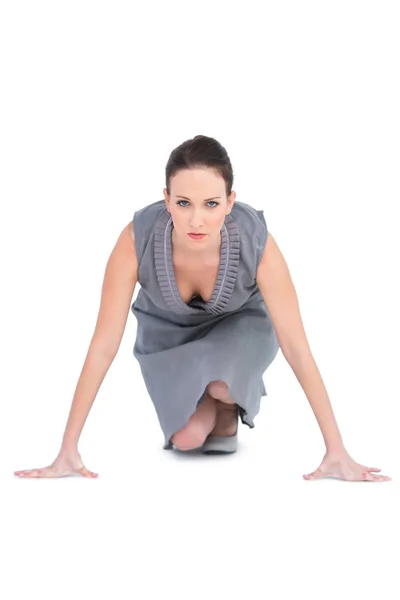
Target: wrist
[69, 446]
[337, 451]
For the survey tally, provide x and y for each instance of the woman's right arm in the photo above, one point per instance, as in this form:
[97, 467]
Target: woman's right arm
[119, 283]
[118, 287]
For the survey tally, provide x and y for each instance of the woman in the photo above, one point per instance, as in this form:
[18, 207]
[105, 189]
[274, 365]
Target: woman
[217, 300]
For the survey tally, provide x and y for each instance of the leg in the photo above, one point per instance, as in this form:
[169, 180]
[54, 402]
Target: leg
[220, 391]
[227, 419]
[198, 427]
[217, 414]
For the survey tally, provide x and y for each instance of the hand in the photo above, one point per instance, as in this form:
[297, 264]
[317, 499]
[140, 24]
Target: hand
[342, 466]
[68, 462]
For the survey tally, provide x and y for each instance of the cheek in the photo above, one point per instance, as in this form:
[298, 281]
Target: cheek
[177, 219]
[217, 222]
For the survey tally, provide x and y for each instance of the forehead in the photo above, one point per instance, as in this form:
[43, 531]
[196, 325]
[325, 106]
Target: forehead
[197, 181]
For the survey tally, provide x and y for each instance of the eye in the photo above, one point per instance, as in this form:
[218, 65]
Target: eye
[212, 201]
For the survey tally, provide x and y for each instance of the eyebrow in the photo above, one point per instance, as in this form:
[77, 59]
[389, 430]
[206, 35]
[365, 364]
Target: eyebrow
[207, 200]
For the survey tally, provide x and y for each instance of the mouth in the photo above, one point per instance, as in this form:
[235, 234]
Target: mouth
[197, 235]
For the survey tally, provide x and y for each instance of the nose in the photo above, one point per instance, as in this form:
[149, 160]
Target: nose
[196, 222]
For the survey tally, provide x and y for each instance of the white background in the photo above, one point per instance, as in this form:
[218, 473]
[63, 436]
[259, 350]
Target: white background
[305, 98]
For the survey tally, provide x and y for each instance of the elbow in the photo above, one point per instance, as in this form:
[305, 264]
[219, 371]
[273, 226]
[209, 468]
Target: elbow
[106, 350]
[296, 354]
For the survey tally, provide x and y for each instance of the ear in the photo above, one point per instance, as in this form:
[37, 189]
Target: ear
[167, 199]
[231, 200]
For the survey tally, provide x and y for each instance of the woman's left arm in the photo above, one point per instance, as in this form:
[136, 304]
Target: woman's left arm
[275, 284]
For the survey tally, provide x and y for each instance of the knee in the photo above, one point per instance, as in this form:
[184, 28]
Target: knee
[218, 389]
[188, 438]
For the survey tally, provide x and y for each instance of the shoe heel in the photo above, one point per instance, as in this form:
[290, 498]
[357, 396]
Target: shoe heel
[220, 445]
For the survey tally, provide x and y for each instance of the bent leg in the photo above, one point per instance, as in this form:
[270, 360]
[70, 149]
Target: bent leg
[220, 391]
[227, 410]
[198, 427]
[216, 415]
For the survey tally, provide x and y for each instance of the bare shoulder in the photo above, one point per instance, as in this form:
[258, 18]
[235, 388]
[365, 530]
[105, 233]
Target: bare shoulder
[131, 231]
[279, 294]
[123, 256]
[127, 237]
[272, 253]
[273, 265]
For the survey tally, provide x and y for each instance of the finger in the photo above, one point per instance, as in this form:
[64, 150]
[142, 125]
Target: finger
[49, 472]
[314, 475]
[370, 468]
[44, 472]
[370, 477]
[367, 476]
[86, 473]
[382, 478]
[29, 473]
[24, 473]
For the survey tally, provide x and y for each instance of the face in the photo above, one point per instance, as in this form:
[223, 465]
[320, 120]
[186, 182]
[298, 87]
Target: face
[198, 204]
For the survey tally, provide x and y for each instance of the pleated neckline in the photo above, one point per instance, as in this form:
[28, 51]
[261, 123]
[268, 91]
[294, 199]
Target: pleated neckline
[227, 274]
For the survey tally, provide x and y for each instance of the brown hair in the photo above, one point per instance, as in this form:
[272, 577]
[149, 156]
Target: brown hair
[200, 152]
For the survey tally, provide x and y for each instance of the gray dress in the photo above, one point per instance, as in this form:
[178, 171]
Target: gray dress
[180, 346]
